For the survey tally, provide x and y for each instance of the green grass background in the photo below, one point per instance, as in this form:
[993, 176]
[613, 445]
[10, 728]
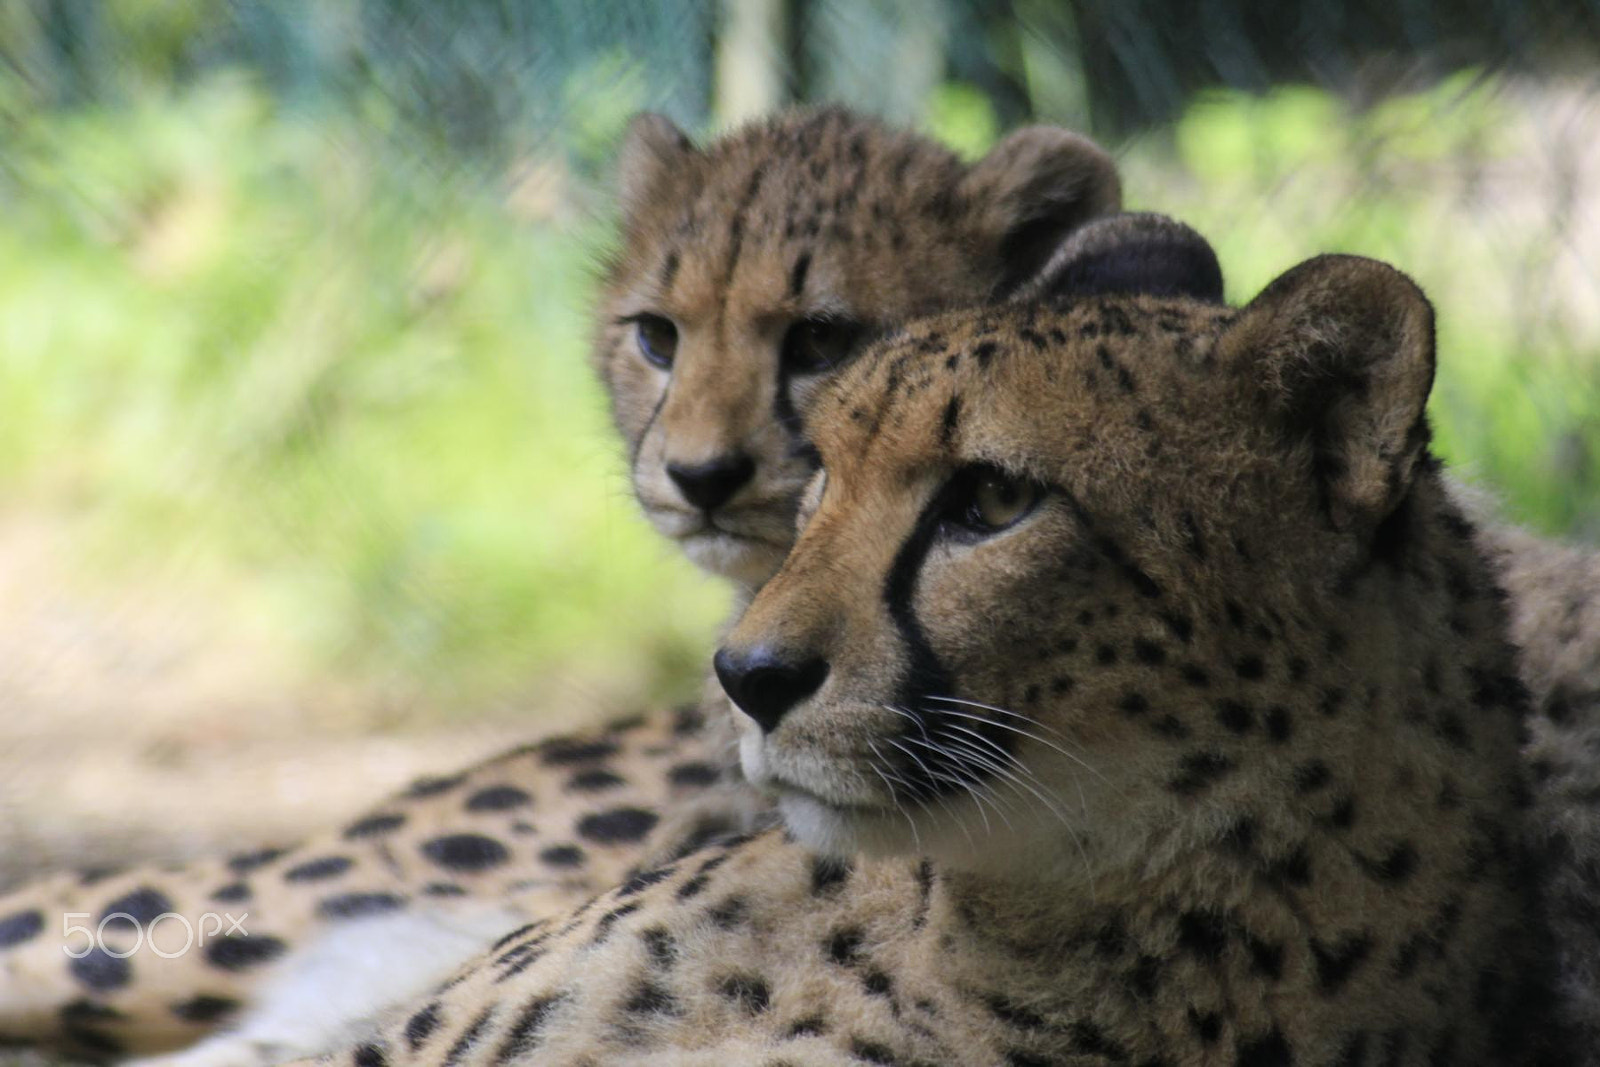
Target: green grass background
[348, 384]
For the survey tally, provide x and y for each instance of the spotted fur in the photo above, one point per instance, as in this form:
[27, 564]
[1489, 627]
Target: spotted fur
[815, 215]
[1207, 756]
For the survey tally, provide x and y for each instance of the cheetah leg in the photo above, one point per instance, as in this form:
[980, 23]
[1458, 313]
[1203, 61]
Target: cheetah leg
[565, 818]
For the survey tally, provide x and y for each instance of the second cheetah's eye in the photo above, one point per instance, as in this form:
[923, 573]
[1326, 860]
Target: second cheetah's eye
[817, 343]
[982, 500]
[658, 340]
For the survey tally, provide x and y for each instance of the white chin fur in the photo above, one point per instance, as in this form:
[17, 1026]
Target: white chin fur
[745, 561]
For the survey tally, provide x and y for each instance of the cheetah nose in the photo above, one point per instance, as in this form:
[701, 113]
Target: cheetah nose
[708, 486]
[765, 683]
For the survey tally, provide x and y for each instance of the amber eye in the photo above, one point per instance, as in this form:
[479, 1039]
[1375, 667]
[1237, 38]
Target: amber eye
[983, 500]
[816, 344]
[658, 340]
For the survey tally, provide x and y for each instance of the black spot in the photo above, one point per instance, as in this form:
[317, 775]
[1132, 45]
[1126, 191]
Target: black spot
[1105, 655]
[373, 826]
[1091, 1040]
[749, 992]
[1266, 957]
[1336, 963]
[432, 787]
[239, 953]
[1293, 869]
[368, 1056]
[828, 874]
[1235, 716]
[1149, 652]
[1202, 934]
[1396, 867]
[19, 927]
[648, 998]
[318, 869]
[204, 1009]
[602, 926]
[983, 352]
[617, 826]
[694, 774]
[1134, 704]
[1207, 1026]
[565, 750]
[810, 1026]
[232, 893]
[1311, 776]
[594, 780]
[1250, 668]
[1195, 675]
[498, 798]
[1270, 1051]
[421, 1026]
[877, 983]
[693, 887]
[871, 1052]
[100, 971]
[359, 905]
[466, 852]
[1280, 726]
[643, 879]
[525, 1033]
[662, 948]
[844, 947]
[562, 856]
[1199, 770]
[729, 913]
[246, 862]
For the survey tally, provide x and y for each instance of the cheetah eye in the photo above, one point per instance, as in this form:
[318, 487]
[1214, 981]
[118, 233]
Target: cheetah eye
[816, 344]
[658, 339]
[982, 500]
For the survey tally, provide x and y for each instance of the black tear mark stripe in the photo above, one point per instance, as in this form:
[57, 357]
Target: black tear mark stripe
[638, 443]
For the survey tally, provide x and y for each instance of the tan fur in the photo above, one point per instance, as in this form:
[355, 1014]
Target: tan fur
[1240, 781]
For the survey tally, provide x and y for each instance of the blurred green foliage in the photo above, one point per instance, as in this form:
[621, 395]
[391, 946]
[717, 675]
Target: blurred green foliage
[355, 385]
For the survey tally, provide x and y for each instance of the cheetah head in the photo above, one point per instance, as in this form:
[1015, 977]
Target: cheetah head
[751, 269]
[1052, 587]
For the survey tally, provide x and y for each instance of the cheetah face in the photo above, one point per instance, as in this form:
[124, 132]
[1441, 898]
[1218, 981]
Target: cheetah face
[992, 642]
[754, 269]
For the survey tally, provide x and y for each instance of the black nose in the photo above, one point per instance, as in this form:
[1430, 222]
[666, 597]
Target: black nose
[708, 486]
[765, 684]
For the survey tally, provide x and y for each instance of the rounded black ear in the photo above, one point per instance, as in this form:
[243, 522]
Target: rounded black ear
[1339, 352]
[1136, 252]
[650, 150]
[1037, 185]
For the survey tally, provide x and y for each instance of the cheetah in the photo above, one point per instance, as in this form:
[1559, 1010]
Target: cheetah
[1136, 692]
[747, 270]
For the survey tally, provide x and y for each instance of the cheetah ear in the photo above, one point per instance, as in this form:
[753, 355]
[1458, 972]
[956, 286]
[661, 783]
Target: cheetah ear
[1135, 252]
[1341, 351]
[1032, 189]
[651, 149]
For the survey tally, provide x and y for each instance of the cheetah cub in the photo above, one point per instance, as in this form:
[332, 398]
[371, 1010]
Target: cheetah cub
[1135, 693]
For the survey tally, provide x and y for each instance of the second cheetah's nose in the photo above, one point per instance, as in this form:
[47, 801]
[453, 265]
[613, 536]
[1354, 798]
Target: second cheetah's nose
[765, 684]
[708, 486]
